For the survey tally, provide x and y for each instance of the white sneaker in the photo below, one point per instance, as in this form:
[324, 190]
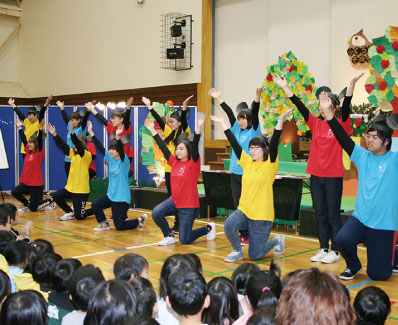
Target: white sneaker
[280, 248]
[67, 216]
[319, 256]
[103, 226]
[169, 240]
[331, 257]
[144, 218]
[51, 206]
[234, 256]
[24, 209]
[211, 235]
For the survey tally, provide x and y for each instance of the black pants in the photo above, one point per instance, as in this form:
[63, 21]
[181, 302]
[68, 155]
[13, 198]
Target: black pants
[168, 185]
[236, 188]
[91, 173]
[67, 168]
[35, 192]
[79, 202]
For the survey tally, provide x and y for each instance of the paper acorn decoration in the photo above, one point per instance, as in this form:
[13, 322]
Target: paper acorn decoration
[358, 46]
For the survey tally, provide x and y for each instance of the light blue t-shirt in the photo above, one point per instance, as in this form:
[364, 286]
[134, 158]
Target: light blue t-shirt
[12, 270]
[243, 137]
[377, 203]
[69, 142]
[119, 187]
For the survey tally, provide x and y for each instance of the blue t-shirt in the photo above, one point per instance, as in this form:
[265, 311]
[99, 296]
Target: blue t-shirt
[243, 137]
[119, 187]
[377, 204]
[69, 139]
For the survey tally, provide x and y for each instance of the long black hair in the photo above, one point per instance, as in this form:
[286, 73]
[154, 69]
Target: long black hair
[174, 135]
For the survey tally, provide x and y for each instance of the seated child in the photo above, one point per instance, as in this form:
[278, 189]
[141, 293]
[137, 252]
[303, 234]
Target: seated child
[146, 296]
[130, 266]
[372, 306]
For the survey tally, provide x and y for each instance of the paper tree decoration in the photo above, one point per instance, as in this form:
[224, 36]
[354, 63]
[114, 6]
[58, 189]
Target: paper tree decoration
[274, 100]
[382, 84]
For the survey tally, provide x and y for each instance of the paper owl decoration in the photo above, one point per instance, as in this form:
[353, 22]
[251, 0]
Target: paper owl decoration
[358, 46]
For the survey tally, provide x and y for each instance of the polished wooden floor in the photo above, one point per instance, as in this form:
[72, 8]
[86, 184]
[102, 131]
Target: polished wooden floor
[78, 239]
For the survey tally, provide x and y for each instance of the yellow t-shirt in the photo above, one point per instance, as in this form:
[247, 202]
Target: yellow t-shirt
[79, 179]
[167, 131]
[30, 129]
[257, 198]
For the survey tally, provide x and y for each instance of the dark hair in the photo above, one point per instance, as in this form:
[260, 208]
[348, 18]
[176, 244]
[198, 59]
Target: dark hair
[372, 305]
[314, 297]
[145, 295]
[42, 266]
[24, 307]
[224, 302]
[83, 283]
[37, 249]
[62, 272]
[246, 114]
[173, 263]
[75, 116]
[83, 140]
[187, 144]
[195, 260]
[242, 274]
[113, 145]
[11, 209]
[140, 319]
[262, 142]
[263, 316]
[288, 276]
[129, 264]
[4, 217]
[174, 135]
[187, 291]
[5, 238]
[382, 135]
[5, 285]
[111, 303]
[16, 252]
[264, 287]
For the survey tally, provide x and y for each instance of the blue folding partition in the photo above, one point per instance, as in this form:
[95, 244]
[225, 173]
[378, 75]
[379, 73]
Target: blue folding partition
[7, 176]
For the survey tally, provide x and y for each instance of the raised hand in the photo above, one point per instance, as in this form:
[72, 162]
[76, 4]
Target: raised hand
[281, 82]
[219, 120]
[51, 129]
[201, 122]
[355, 79]
[90, 107]
[350, 90]
[150, 126]
[11, 102]
[90, 128]
[281, 119]
[27, 228]
[119, 131]
[258, 93]
[325, 104]
[18, 122]
[60, 104]
[129, 102]
[147, 102]
[214, 93]
[185, 103]
[48, 100]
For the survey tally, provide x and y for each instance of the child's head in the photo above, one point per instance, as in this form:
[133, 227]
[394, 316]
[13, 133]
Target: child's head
[111, 303]
[16, 253]
[42, 267]
[196, 262]
[224, 302]
[244, 116]
[11, 211]
[145, 295]
[372, 305]
[5, 238]
[140, 319]
[183, 149]
[172, 263]
[263, 316]
[114, 150]
[38, 248]
[75, 119]
[83, 283]
[4, 219]
[130, 266]
[62, 272]
[264, 288]
[24, 307]
[242, 274]
[5, 286]
[259, 148]
[32, 114]
[187, 293]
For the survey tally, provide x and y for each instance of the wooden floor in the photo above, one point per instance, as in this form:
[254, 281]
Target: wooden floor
[78, 239]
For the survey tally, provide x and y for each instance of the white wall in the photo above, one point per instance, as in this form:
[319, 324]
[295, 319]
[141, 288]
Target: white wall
[77, 46]
[316, 31]
[9, 55]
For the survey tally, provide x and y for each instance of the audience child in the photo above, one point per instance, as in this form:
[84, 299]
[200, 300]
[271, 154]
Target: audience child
[111, 303]
[5, 223]
[141, 320]
[81, 288]
[263, 316]
[196, 262]
[130, 266]
[372, 306]
[24, 307]
[16, 254]
[5, 286]
[41, 270]
[314, 297]
[187, 295]
[224, 305]
[177, 262]
[146, 297]
[11, 211]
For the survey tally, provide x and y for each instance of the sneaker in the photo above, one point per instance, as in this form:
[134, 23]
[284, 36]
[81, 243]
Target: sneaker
[143, 218]
[244, 241]
[331, 257]
[234, 256]
[51, 206]
[395, 269]
[24, 209]
[68, 216]
[348, 274]
[211, 235]
[169, 240]
[103, 226]
[280, 248]
[319, 256]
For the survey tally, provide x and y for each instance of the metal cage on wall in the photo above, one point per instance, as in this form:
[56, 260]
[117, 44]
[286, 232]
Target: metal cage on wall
[176, 41]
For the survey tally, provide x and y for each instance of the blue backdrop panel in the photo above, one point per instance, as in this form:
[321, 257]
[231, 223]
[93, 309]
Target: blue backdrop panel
[142, 114]
[7, 176]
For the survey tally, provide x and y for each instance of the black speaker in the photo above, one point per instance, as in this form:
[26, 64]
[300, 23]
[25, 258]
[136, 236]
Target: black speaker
[175, 53]
[175, 30]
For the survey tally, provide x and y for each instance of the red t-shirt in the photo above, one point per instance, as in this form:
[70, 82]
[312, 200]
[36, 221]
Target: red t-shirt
[184, 180]
[325, 159]
[91, 148]
[31, 173]
[128, 150]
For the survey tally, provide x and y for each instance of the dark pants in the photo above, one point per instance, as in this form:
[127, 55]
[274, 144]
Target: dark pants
[236, 188]
[35, 192]
[380, 245]
[168, 185]
[67, 168]
[91, 173]
[119, 213]
[326, 197]
[79, 202]
[187, 217]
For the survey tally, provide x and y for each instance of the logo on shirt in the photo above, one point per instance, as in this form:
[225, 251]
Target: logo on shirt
[181, 171]
[115, 171]
[382, 169]
[330, 134]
